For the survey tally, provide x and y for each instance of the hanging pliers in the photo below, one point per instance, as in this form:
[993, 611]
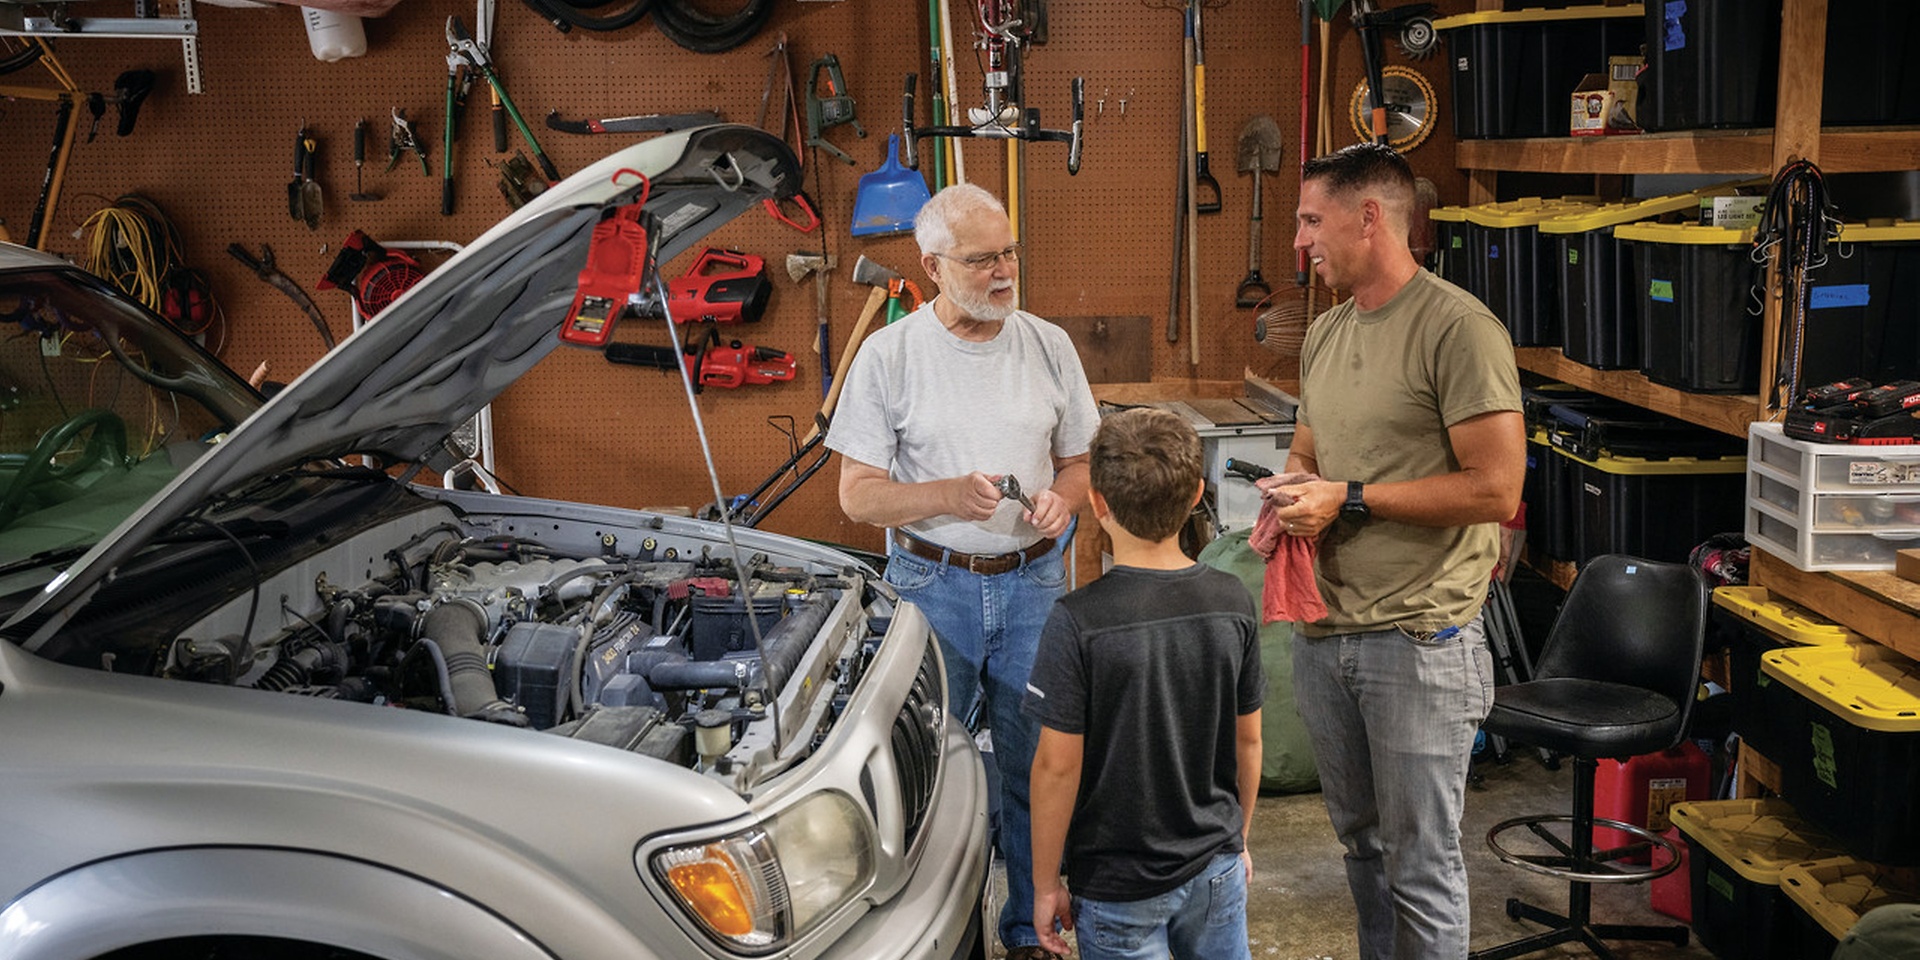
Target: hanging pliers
[403, 136]
[462, 43]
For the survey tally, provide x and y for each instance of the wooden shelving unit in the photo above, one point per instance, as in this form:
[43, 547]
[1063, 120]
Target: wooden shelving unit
[1725, 413]
[1733, 152]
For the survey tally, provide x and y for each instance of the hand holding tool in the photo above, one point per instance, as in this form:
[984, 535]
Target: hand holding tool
[461, 42]
[1009, 487]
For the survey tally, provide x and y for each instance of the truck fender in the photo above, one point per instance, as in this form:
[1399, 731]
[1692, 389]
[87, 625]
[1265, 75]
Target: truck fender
[212, 891]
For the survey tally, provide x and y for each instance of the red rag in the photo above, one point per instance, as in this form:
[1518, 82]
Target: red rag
[1289, 592]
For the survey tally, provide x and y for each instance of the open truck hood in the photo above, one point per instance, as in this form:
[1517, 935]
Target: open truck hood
[427, 363]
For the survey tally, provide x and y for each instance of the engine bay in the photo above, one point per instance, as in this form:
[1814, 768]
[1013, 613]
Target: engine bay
[658, 644]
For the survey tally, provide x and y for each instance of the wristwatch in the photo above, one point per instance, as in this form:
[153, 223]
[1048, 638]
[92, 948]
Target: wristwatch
[1356, 505]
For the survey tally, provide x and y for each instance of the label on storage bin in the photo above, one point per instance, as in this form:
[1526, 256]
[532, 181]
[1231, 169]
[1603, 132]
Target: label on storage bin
[1839, 295]
[1823, 764]
[1866, 472]
[1676, 34]
[1661, 290]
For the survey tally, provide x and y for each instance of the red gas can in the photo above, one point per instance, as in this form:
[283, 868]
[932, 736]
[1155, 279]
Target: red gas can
[1641, 789]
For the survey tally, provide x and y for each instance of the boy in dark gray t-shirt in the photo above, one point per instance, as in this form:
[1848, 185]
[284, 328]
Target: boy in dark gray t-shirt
[1148, 689]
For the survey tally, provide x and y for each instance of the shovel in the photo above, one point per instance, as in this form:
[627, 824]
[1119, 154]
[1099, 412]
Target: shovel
[888, 197]
[1259, 155]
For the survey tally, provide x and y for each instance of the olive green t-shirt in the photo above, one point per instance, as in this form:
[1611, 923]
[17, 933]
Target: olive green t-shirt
[1380, 388]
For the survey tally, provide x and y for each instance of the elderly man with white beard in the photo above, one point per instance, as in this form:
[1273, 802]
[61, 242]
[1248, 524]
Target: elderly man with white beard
[938, 409]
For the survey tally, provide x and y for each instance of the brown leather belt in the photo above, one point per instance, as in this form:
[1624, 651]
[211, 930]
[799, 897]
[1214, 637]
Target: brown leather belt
[984, 564]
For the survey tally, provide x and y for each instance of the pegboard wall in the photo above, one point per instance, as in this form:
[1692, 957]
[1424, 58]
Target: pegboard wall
[1098, 244]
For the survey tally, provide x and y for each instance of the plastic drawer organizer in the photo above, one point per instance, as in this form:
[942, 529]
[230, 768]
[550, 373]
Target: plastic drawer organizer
[1831, 506]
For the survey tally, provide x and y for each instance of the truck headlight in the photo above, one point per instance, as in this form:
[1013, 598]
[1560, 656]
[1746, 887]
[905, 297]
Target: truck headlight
[758, 889]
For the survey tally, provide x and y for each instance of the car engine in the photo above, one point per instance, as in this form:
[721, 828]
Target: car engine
[686, 658]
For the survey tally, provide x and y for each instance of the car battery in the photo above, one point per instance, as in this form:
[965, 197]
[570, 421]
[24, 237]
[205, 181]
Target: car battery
[1735, 852]
[1513, 70]
[1693, 293]
[1857, 769]
[1642, 791]
[719, 625]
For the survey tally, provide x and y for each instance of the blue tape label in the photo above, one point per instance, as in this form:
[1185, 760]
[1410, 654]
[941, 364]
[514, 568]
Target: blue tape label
[1493, 251]
[1676, 34]
[1839, 295]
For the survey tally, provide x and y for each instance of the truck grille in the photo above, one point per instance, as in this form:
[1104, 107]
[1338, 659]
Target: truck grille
[917, 741]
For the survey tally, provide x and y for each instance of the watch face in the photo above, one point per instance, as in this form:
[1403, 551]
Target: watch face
[1409, 102]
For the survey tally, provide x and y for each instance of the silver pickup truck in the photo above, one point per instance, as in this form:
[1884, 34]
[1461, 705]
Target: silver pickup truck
[262, 696]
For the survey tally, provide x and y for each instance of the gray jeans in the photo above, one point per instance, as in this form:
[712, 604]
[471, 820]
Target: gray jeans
[1392, 719]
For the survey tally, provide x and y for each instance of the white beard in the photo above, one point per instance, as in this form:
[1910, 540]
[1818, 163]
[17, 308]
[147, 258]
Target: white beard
[981, 308]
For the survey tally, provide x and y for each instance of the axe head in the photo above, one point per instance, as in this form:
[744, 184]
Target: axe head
[872, 273]
[802, 265]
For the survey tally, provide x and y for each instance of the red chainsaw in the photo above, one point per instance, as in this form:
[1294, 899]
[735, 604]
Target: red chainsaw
[710, 362]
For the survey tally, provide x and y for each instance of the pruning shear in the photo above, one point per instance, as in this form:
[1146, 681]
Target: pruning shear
[462, 44]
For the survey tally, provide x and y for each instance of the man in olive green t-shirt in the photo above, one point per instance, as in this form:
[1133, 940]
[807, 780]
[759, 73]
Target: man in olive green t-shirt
[1410, 432]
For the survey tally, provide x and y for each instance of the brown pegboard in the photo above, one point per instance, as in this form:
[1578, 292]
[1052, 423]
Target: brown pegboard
[1099, 243]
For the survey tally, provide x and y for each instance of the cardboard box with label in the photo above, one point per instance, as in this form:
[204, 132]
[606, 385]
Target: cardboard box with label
[1604, 103]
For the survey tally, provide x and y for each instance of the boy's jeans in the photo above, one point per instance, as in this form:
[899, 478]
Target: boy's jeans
[1392, 720]
[1202, 919]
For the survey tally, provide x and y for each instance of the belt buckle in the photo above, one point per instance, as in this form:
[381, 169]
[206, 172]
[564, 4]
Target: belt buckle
[976, 561]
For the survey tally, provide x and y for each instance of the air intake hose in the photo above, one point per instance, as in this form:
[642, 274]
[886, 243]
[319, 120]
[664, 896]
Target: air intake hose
[458, 627]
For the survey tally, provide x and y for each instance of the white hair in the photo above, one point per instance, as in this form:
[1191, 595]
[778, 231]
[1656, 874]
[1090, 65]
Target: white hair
[933, 225]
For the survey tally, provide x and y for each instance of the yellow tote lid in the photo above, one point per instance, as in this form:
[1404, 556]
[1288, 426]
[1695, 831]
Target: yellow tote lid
[1527, 211]
[1684, 233]
[1868, 685]
[1592, 12]
[1756, 838]
[1644, 466]
[1449, 214]
[1871, 232]
[1782, 619]
[1837, 890]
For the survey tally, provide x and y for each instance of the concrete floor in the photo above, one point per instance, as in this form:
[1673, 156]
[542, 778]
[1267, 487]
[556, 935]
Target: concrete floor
[1299, 908]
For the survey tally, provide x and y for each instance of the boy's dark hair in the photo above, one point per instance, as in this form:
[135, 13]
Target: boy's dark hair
[1362, 166]
[1146, 463]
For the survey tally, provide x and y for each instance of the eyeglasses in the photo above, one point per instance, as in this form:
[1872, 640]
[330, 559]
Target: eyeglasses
[986, 261]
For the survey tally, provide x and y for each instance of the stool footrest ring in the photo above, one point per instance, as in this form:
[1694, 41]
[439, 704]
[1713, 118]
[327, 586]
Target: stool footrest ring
[1566, 865]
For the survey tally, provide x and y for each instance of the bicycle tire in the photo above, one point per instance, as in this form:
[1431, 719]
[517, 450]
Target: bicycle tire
[701, 32]
[559, 11]
[26, 56]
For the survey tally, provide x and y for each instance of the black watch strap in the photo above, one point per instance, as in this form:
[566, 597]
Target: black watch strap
[1356, 505]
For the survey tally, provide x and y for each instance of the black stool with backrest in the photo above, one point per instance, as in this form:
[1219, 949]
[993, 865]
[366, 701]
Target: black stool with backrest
[1616, 679]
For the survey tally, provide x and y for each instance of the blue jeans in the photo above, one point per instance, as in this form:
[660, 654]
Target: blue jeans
[1392, 721]
[1202, 919]
[989, 630]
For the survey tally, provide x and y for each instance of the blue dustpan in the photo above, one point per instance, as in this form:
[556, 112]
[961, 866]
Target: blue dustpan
[888, 197]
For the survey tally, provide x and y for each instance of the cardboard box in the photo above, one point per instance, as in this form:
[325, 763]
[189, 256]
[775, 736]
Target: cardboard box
[1906, 564]
[1603, 103]
[1623, 80]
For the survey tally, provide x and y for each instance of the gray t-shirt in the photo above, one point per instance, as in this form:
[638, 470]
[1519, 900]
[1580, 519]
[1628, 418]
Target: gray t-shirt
[927, 405]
